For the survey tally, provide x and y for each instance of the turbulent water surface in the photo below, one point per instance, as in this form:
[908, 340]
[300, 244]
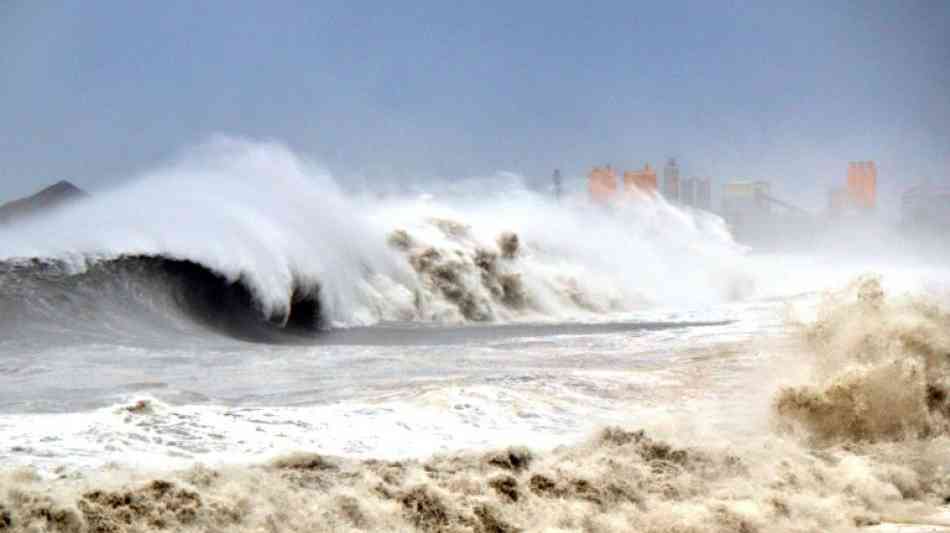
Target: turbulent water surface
[231, 343]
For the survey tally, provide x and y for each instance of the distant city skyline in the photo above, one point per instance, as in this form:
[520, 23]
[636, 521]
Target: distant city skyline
[96, 92]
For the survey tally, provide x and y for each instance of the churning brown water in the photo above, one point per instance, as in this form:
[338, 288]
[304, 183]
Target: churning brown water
[857, 435]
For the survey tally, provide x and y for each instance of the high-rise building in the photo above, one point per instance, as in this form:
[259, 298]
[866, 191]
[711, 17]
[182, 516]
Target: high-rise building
[643, 181]
[558, 183]
[688, 191]
[862, 184]
[696, 192]
[671, 180]
[703, 194]
[602, 182]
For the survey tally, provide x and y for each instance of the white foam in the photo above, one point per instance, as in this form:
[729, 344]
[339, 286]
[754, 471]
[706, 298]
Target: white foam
[260, 213]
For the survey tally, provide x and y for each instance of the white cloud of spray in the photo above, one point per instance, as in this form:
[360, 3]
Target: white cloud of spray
[256, 212]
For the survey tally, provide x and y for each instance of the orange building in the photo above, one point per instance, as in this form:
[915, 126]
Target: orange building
[602, 182]
[643, 181]
[862, 184]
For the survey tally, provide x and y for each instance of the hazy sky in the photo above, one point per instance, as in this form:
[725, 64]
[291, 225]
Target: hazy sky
[785, 91]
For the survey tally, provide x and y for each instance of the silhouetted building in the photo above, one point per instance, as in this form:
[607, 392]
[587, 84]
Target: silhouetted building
[703, 194]
[696, 192]
[859, 193]
[557, 183]
[671, 180]
[688, 191]
[862, 184]
[643, 180]
[602, 182]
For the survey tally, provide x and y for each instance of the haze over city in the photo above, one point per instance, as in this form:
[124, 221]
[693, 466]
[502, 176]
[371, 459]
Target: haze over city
[475, 267]
[787, 92]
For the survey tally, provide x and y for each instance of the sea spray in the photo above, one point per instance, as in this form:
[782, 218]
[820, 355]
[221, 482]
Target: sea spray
[809, 479]
[882, 369]
[300, 250]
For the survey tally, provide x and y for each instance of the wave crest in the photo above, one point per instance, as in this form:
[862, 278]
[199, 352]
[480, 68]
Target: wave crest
[261, 219]
[882, 369]
[118, 293]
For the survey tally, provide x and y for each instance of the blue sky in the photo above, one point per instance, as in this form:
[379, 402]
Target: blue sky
[784, 91]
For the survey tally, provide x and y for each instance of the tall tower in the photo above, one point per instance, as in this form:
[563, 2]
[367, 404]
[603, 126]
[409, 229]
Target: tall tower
[558, 183]
[704, 193]
[688, 191]
[854, 182]
[671, 180]
[862, 184]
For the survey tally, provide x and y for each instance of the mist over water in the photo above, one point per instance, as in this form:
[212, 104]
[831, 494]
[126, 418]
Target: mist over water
[834, 450]
[236, 307]
[258, 216]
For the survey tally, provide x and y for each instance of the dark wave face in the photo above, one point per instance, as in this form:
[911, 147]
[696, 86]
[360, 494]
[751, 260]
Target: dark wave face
[136, 296]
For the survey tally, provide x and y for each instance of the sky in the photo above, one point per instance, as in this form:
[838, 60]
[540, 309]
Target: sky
[789, 92]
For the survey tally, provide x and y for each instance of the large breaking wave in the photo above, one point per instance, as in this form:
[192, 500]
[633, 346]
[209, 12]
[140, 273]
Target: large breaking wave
[252, 240]
[128, 294]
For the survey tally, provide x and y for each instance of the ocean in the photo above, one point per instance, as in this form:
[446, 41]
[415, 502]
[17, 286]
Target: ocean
[234, 343]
